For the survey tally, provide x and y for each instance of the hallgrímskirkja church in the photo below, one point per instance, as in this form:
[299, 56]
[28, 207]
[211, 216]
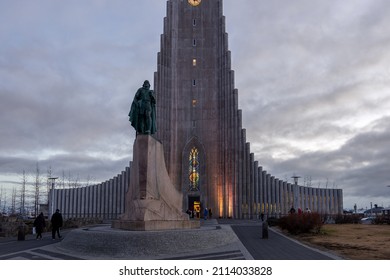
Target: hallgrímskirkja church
[200, 127]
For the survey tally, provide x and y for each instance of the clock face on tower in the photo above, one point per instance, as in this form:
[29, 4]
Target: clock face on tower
[194, 2]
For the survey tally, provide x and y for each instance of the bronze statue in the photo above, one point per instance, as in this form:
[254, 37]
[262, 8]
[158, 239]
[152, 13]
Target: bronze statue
[142, 114]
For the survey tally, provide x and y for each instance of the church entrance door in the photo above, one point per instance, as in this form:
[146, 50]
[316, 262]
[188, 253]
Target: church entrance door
[194, 205]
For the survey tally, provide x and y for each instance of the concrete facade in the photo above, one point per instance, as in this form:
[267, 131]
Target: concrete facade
[197, 105]
[152, 202]
[103, 201]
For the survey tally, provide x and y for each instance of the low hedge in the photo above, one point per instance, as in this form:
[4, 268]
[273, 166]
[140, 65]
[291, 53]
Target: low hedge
[301, 223]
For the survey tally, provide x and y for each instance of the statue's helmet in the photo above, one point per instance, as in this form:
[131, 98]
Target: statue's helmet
[146, 84]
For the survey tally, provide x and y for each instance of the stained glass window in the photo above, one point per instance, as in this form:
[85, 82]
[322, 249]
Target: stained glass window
[194, 170]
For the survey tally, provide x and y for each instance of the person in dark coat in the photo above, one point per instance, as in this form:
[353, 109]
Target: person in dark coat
[292, 210]
[39, 224]
[56, 224]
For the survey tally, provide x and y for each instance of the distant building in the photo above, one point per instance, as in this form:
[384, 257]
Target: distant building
[374, 211]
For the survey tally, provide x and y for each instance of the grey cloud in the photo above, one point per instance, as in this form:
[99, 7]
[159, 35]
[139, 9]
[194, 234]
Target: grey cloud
[360, 166]
[77, 166]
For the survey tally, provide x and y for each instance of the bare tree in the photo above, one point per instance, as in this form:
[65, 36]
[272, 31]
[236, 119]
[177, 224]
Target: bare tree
[22, 209]
[307, 181]
[4, 204]
[88, 181]
[73, 182]
[13, 201]
[60, 184]
[76, 181]
[49, 174]
[69, 179]
[1, 198]
[37, 190]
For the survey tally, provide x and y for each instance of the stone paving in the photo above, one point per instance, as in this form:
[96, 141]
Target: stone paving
[214, 240]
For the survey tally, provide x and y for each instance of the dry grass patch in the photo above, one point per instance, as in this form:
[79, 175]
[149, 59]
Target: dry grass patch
[352, 241]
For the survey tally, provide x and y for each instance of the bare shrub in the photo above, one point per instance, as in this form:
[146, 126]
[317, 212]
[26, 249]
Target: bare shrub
[301, 223]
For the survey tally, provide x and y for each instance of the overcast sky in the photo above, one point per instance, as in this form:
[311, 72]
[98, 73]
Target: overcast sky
[313, 79]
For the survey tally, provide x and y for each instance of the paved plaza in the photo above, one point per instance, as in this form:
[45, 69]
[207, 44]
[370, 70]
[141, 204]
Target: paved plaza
[216, 239]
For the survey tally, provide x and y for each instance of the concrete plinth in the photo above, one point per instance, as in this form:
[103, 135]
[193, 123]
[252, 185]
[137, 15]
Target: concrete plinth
[152, 201]
[154, 225]
[101, 242]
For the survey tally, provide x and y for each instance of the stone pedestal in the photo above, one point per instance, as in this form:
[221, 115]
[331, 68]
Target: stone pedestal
[152, 201]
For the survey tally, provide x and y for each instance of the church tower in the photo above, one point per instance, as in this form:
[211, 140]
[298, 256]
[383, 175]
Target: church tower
[200, 125]
[198, 120]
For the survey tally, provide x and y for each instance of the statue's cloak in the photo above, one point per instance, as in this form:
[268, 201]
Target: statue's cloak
[134, 117]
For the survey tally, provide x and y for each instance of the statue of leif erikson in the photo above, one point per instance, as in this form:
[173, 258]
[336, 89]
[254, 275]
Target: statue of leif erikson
[142, 113]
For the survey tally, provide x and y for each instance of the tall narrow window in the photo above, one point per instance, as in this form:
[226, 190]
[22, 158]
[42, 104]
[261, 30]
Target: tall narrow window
[194, 62]
[194, 82]
[194, 170]
[194, 42]
[194, 22]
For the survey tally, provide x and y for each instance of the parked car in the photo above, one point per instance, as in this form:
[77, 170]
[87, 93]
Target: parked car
[367, 220]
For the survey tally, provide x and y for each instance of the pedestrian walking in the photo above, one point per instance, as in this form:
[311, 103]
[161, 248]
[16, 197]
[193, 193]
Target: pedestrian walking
[205, 213]
[56, 224]
[39, 224]
[292, 210]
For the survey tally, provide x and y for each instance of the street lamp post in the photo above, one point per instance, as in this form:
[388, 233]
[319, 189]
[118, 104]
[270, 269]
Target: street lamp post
[295, 177]
[53, 180]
